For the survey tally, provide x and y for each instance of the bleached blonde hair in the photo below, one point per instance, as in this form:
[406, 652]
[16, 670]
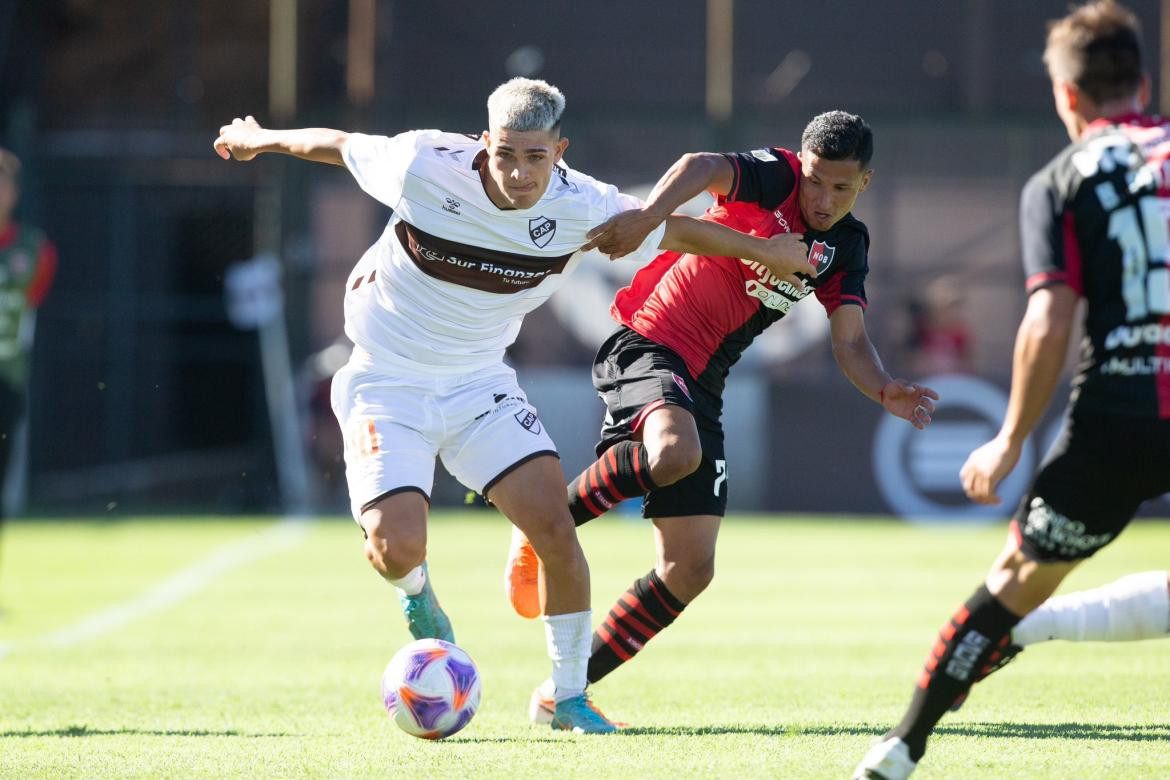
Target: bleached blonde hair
[522, 105]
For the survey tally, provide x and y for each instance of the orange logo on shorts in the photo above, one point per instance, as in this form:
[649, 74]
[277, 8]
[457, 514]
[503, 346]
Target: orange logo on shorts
[364, 439]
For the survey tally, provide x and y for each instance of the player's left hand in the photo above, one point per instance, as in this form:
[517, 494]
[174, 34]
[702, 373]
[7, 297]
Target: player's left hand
[910, 401]
[986, 467]
[622, 233]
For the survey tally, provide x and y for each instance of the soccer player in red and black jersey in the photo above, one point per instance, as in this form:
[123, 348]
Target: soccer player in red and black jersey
[28, 261]
[685, 320]
[1095, 224]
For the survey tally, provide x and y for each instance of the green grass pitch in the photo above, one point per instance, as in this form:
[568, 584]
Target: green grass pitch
[804, 648]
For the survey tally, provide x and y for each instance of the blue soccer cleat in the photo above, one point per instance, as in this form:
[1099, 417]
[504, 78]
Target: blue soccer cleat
[580, 716]
[424, 617]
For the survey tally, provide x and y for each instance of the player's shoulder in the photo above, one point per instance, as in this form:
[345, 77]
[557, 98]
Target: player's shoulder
[1058, 179]
[570, 182]
[851, 231]
[442, 147]
[576, 194]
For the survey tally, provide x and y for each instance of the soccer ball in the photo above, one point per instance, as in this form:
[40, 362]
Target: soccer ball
[431, 688]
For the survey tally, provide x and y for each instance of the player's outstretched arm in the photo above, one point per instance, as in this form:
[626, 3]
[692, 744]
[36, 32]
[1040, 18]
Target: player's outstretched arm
[1041, 346]
[244, 138]
[784, 254]
[859, 361]
[690, 175]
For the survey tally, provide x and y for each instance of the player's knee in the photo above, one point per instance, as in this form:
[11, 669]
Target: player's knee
[555, 539]
[393, 552]
[675, 460]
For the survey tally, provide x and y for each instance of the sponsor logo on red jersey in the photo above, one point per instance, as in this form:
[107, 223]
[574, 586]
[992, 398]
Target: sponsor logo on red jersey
[820, 255]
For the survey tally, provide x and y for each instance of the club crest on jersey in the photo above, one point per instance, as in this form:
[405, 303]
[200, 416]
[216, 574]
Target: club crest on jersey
[528, 421]
[541, 230]
[820, 255]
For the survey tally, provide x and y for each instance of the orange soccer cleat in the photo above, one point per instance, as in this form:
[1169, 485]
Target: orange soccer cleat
[522, 576]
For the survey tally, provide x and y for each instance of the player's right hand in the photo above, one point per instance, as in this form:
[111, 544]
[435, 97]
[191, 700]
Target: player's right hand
[239, 139]
[622, 233]
[985, 469]
[786, 256]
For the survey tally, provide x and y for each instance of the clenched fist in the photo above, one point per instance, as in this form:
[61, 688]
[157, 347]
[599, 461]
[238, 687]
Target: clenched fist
[240, 139]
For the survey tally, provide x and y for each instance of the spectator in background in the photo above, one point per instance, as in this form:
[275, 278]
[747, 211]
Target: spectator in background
[27, 263]
[323, 438]
[941, 335]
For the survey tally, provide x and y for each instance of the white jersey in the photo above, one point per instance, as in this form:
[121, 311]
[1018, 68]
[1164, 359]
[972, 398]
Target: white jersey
[444, 289]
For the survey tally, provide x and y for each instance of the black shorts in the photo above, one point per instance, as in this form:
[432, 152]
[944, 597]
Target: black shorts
[634, 376]
[1091, 483]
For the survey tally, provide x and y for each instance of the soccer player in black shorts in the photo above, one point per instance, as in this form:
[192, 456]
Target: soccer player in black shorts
[1094, 225]
[685, 320]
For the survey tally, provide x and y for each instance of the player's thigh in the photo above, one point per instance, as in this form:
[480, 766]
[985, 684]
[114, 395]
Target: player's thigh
[493, 431]
[390, 442]
[687, 541]
[636, 378]
[1083, 496]
[702, 492]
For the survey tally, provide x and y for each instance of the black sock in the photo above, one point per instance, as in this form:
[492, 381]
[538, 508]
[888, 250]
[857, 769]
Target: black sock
[622, 471]
[637, 617]
[969, 642]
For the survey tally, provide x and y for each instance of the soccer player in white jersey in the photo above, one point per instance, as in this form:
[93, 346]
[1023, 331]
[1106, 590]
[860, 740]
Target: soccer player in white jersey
[485, 229]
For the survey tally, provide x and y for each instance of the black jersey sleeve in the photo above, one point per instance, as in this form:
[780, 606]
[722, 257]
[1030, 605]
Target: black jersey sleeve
[762, 176]
[846, 281]
[1042, 218]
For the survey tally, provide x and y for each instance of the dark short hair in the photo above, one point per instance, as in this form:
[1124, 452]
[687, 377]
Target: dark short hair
[839, 135]
[1097, 47]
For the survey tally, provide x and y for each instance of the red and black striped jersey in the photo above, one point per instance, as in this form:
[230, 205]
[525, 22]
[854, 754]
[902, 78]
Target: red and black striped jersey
[710, 309]
[1097, 218]
[28, 261]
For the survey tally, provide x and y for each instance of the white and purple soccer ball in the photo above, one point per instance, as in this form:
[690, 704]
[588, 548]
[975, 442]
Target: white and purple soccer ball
[431, 688]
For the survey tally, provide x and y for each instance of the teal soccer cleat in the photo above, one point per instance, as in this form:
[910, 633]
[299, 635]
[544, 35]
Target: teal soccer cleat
[579, 716]
[424, 617]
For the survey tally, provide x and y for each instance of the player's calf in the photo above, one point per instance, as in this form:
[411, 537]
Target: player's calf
[687, 578]
[638, 616]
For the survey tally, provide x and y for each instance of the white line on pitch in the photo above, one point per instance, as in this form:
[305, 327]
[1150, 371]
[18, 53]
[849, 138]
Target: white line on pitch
[283, 535]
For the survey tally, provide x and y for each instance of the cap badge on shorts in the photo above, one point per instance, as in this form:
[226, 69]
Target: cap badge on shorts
[541, 230]
[528, 421]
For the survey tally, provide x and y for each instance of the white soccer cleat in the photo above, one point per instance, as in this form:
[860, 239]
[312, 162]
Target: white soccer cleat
[543, 706]
[887, 760]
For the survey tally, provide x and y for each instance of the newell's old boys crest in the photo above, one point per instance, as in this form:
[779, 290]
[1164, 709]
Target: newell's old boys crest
[528, 420]
[820, 255]
[541, 230]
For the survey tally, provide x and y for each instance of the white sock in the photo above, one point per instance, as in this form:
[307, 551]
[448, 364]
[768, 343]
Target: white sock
[412, 584]
[1133, 607]
[569, 638]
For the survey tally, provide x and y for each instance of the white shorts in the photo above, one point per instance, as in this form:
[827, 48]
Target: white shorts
[480, 424]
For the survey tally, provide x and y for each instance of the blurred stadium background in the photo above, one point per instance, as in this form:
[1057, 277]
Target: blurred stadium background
[147, 398]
